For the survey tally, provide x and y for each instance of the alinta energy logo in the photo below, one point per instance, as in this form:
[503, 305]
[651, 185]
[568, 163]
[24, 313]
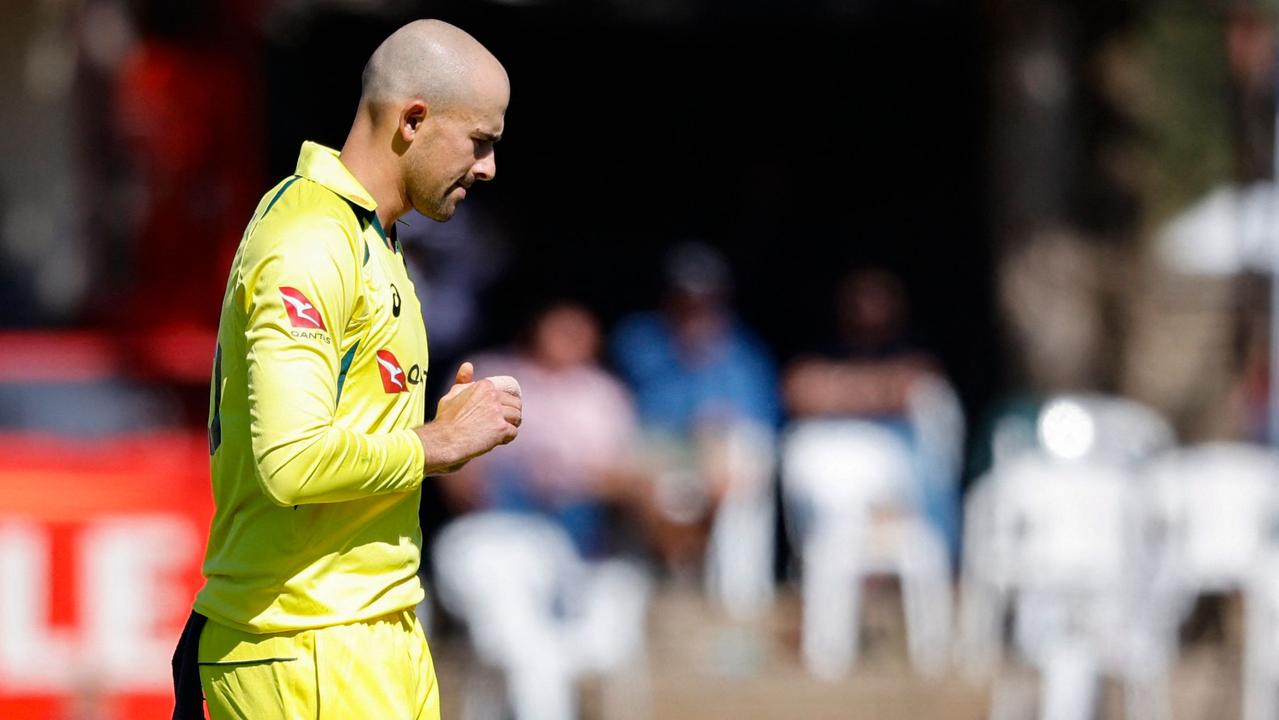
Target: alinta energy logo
[303, 316]
[394, 378]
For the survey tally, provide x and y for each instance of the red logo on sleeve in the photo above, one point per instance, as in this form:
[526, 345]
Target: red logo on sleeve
[393, 380]
[302, 314]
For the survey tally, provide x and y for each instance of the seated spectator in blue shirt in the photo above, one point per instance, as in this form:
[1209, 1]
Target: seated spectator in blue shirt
[699, 376]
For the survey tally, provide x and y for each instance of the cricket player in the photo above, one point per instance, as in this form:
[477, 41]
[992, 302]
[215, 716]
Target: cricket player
[317, 449]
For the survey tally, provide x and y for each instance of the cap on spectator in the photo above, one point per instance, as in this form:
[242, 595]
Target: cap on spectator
[697, 268]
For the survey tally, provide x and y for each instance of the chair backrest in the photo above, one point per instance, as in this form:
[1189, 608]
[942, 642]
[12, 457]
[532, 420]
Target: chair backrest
[846, 466]
[1059, 526]
[1103, 428]
[845, 458]
[490, 558]
[524, 593]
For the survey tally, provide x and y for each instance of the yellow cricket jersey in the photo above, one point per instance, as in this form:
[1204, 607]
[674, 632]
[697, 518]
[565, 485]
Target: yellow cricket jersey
[317, 380]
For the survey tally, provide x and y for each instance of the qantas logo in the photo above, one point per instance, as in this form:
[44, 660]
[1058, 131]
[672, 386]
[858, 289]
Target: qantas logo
[302, 314]
[393, 380]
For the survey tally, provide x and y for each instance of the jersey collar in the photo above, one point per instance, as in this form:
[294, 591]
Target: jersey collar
[321, 164]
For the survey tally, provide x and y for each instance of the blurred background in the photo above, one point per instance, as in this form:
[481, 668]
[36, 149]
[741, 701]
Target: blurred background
[882, 358]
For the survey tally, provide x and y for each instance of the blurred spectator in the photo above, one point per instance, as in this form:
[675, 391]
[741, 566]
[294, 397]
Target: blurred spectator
[700, 377]
[693, 363]
[869, 373]
[870, 369]
[575, 452]
[535, 611]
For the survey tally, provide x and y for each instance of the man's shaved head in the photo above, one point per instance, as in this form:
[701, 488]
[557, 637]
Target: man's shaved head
[432, 107]
[427, 59]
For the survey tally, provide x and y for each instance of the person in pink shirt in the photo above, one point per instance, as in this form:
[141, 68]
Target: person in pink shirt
[576, 457]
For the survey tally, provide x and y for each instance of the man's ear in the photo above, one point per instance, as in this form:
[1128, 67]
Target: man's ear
[412, 115]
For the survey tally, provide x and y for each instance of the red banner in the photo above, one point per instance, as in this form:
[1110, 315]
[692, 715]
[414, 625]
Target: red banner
[100, 551]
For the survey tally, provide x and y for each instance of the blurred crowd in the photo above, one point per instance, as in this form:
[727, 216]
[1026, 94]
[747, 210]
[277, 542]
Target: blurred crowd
[678, 452]
[659, 448]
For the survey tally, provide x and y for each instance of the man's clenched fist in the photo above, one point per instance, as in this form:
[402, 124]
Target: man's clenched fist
[473, 417]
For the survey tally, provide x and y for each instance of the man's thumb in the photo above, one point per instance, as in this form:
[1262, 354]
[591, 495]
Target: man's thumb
[465, 374]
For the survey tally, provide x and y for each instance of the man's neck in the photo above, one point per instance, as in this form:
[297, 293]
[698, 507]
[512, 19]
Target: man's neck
[377, 174]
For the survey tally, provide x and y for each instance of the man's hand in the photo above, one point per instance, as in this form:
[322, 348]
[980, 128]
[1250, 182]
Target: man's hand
[473, 417]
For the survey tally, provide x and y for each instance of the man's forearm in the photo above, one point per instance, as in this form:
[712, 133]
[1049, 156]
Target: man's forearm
[441, 450]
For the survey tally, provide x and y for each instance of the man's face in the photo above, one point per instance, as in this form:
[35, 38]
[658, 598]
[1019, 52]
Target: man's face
[454, 149]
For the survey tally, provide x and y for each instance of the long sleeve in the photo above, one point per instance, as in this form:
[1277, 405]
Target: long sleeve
[300, 298]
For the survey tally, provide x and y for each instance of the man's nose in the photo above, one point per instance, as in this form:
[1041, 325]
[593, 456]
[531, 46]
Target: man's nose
[486, 167]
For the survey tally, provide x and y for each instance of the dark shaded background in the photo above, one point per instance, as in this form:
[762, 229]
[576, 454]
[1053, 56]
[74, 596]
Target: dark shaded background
[799, 139]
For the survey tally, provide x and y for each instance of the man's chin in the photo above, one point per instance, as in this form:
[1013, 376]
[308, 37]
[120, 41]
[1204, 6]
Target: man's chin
[441, 213]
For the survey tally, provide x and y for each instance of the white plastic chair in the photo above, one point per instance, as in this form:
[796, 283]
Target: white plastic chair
[535, 611]
[739, 557]
[1061, 543]
[1216, 508]
[853, 510]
